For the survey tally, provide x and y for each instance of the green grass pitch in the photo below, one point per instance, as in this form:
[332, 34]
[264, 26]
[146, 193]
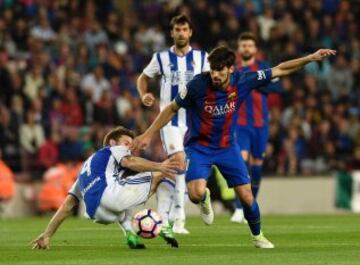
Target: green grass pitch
[310, 239]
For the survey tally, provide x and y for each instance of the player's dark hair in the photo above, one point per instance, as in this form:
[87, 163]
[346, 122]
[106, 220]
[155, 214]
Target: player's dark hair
[116, 133]
[248, 36]
[180, 19]
[220, 57]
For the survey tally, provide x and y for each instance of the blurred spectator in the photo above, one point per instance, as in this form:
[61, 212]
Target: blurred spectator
[43, 31]
[5, 81]
[82, 60]
[70, 109]
[344, 142]
[9, 140]
[31, 138]
[95, 36]
[150, 39]
[55, 114]
[17, 85]
[112, 27]
[33, 82]
[94, 83]
[266, 22]
[340, 79]
[49, 151]
[123, 104]
[31, 134]
[105, 110]
[20, 34]
[70, 147]
[354, 125]
[293, 152]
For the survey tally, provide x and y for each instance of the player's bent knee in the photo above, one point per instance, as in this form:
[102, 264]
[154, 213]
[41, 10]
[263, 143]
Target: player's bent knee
[196, 198]
[245, 194]
[247, 199]
[196, 194]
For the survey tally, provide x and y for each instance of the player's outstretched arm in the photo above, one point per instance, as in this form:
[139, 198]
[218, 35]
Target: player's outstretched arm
[288, 67]
[142, 83]
[143, 141]
[65, 210]
[169, 167]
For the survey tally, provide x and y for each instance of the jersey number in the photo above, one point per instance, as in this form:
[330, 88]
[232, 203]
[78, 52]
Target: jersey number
[86, 168]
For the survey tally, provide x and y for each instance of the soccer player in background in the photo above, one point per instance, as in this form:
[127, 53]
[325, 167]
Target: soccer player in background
[176, 67]
[212, 101]
[253, 121]
[110, 185]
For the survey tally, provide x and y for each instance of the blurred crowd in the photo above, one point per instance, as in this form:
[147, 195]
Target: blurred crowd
[68, 72]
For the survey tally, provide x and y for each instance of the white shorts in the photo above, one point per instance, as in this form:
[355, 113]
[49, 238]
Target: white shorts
[172, 138]
[121, 195]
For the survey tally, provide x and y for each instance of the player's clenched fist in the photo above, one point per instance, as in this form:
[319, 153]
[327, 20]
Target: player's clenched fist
[148, 99]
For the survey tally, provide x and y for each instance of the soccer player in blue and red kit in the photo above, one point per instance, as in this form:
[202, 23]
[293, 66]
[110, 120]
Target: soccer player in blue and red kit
[253, 121]
[212, 101]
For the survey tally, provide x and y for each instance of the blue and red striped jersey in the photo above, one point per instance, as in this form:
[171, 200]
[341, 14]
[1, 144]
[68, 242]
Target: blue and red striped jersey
[254, 110]
[212, 113]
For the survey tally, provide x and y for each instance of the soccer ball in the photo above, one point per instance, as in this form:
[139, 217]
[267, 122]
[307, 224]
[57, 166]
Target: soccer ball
[147, 223]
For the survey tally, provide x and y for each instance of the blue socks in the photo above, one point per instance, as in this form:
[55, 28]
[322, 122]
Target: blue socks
[252, 215]
[255, 176]
[252, 212]
[238, 204]
[255, 173]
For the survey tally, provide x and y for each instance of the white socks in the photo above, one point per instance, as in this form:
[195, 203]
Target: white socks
[165, 195]
[179, 197]
[125, 221]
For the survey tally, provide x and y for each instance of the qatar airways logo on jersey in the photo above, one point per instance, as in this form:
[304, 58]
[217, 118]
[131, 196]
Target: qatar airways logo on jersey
[219, 110]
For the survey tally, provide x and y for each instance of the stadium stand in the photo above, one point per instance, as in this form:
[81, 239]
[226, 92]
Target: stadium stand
[68, 72]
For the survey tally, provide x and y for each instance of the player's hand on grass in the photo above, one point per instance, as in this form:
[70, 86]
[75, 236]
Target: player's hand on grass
[41, 242]
[148, 99]
[321, 54]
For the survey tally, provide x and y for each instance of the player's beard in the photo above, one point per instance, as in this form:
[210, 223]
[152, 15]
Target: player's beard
[246, 57]
[181, 43]
[221, 85]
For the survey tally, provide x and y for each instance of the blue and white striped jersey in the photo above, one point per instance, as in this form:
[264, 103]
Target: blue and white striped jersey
[98, 170]
[176, 71]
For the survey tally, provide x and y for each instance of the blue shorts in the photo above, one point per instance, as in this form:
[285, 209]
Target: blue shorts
[253, 140]
[228, 160]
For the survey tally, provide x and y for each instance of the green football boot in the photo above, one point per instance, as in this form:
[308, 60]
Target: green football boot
[133, 240]
[167, 234]
[260, 241]
[206, 211]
